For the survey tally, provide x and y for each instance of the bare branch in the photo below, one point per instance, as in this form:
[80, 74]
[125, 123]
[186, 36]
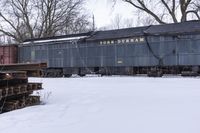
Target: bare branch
[194, 12]
[171, 11]
[144, 8]
[42, 18]
[168, 10]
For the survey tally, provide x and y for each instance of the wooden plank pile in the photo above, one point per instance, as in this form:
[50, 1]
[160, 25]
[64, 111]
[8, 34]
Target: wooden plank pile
[16, 92]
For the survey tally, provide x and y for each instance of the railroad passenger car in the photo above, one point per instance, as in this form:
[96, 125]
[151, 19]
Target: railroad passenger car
[154, 50]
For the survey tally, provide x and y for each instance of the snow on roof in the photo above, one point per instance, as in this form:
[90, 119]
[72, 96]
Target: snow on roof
[55, 40]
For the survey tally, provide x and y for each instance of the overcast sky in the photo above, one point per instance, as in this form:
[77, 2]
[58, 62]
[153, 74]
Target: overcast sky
[104, 13]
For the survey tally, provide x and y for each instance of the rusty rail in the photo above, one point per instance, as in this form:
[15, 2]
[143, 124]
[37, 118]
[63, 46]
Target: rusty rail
[15, 91]
[32, 69]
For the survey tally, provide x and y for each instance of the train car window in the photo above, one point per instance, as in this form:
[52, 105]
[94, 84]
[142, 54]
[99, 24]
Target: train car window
[162, 39]
[42, 47]
[38, 47]
[153, 39]
[59, 46]
[197, 36]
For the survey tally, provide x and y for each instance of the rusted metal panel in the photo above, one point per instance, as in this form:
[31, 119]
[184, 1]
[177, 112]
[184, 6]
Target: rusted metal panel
[8, 54]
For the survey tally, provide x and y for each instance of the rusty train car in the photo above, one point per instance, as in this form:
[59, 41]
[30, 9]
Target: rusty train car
[8, 54]
[153, 50]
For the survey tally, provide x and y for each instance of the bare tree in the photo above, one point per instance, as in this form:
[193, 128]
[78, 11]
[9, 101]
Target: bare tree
[144, 19]
[14, 16]
[195, 9]
[77, 24]
[164, 11]
[117, 22]
[128, 23]
[23, 19]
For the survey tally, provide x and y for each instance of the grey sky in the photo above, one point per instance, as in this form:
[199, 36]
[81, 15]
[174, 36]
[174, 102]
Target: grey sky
[104, 13]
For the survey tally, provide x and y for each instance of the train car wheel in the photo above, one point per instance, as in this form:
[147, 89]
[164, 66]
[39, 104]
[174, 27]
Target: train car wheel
[67, 75]
[81, 75]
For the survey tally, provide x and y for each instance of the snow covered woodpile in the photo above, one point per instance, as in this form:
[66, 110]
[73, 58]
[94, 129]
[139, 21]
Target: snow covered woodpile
[16, 92]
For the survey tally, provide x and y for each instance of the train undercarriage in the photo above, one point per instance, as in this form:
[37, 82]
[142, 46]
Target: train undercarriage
[153, 71]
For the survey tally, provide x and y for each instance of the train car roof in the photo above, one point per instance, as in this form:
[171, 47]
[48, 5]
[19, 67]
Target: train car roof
[154, 30]
[119, 33]
[59, 38]
[175, 28]
[165, 29]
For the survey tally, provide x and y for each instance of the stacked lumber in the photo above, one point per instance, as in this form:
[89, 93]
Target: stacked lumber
[16, 92]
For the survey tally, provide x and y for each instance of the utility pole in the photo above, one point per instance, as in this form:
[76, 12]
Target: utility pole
[93, 23]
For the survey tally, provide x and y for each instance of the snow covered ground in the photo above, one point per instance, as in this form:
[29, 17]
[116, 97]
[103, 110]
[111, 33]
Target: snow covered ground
[111, 105]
